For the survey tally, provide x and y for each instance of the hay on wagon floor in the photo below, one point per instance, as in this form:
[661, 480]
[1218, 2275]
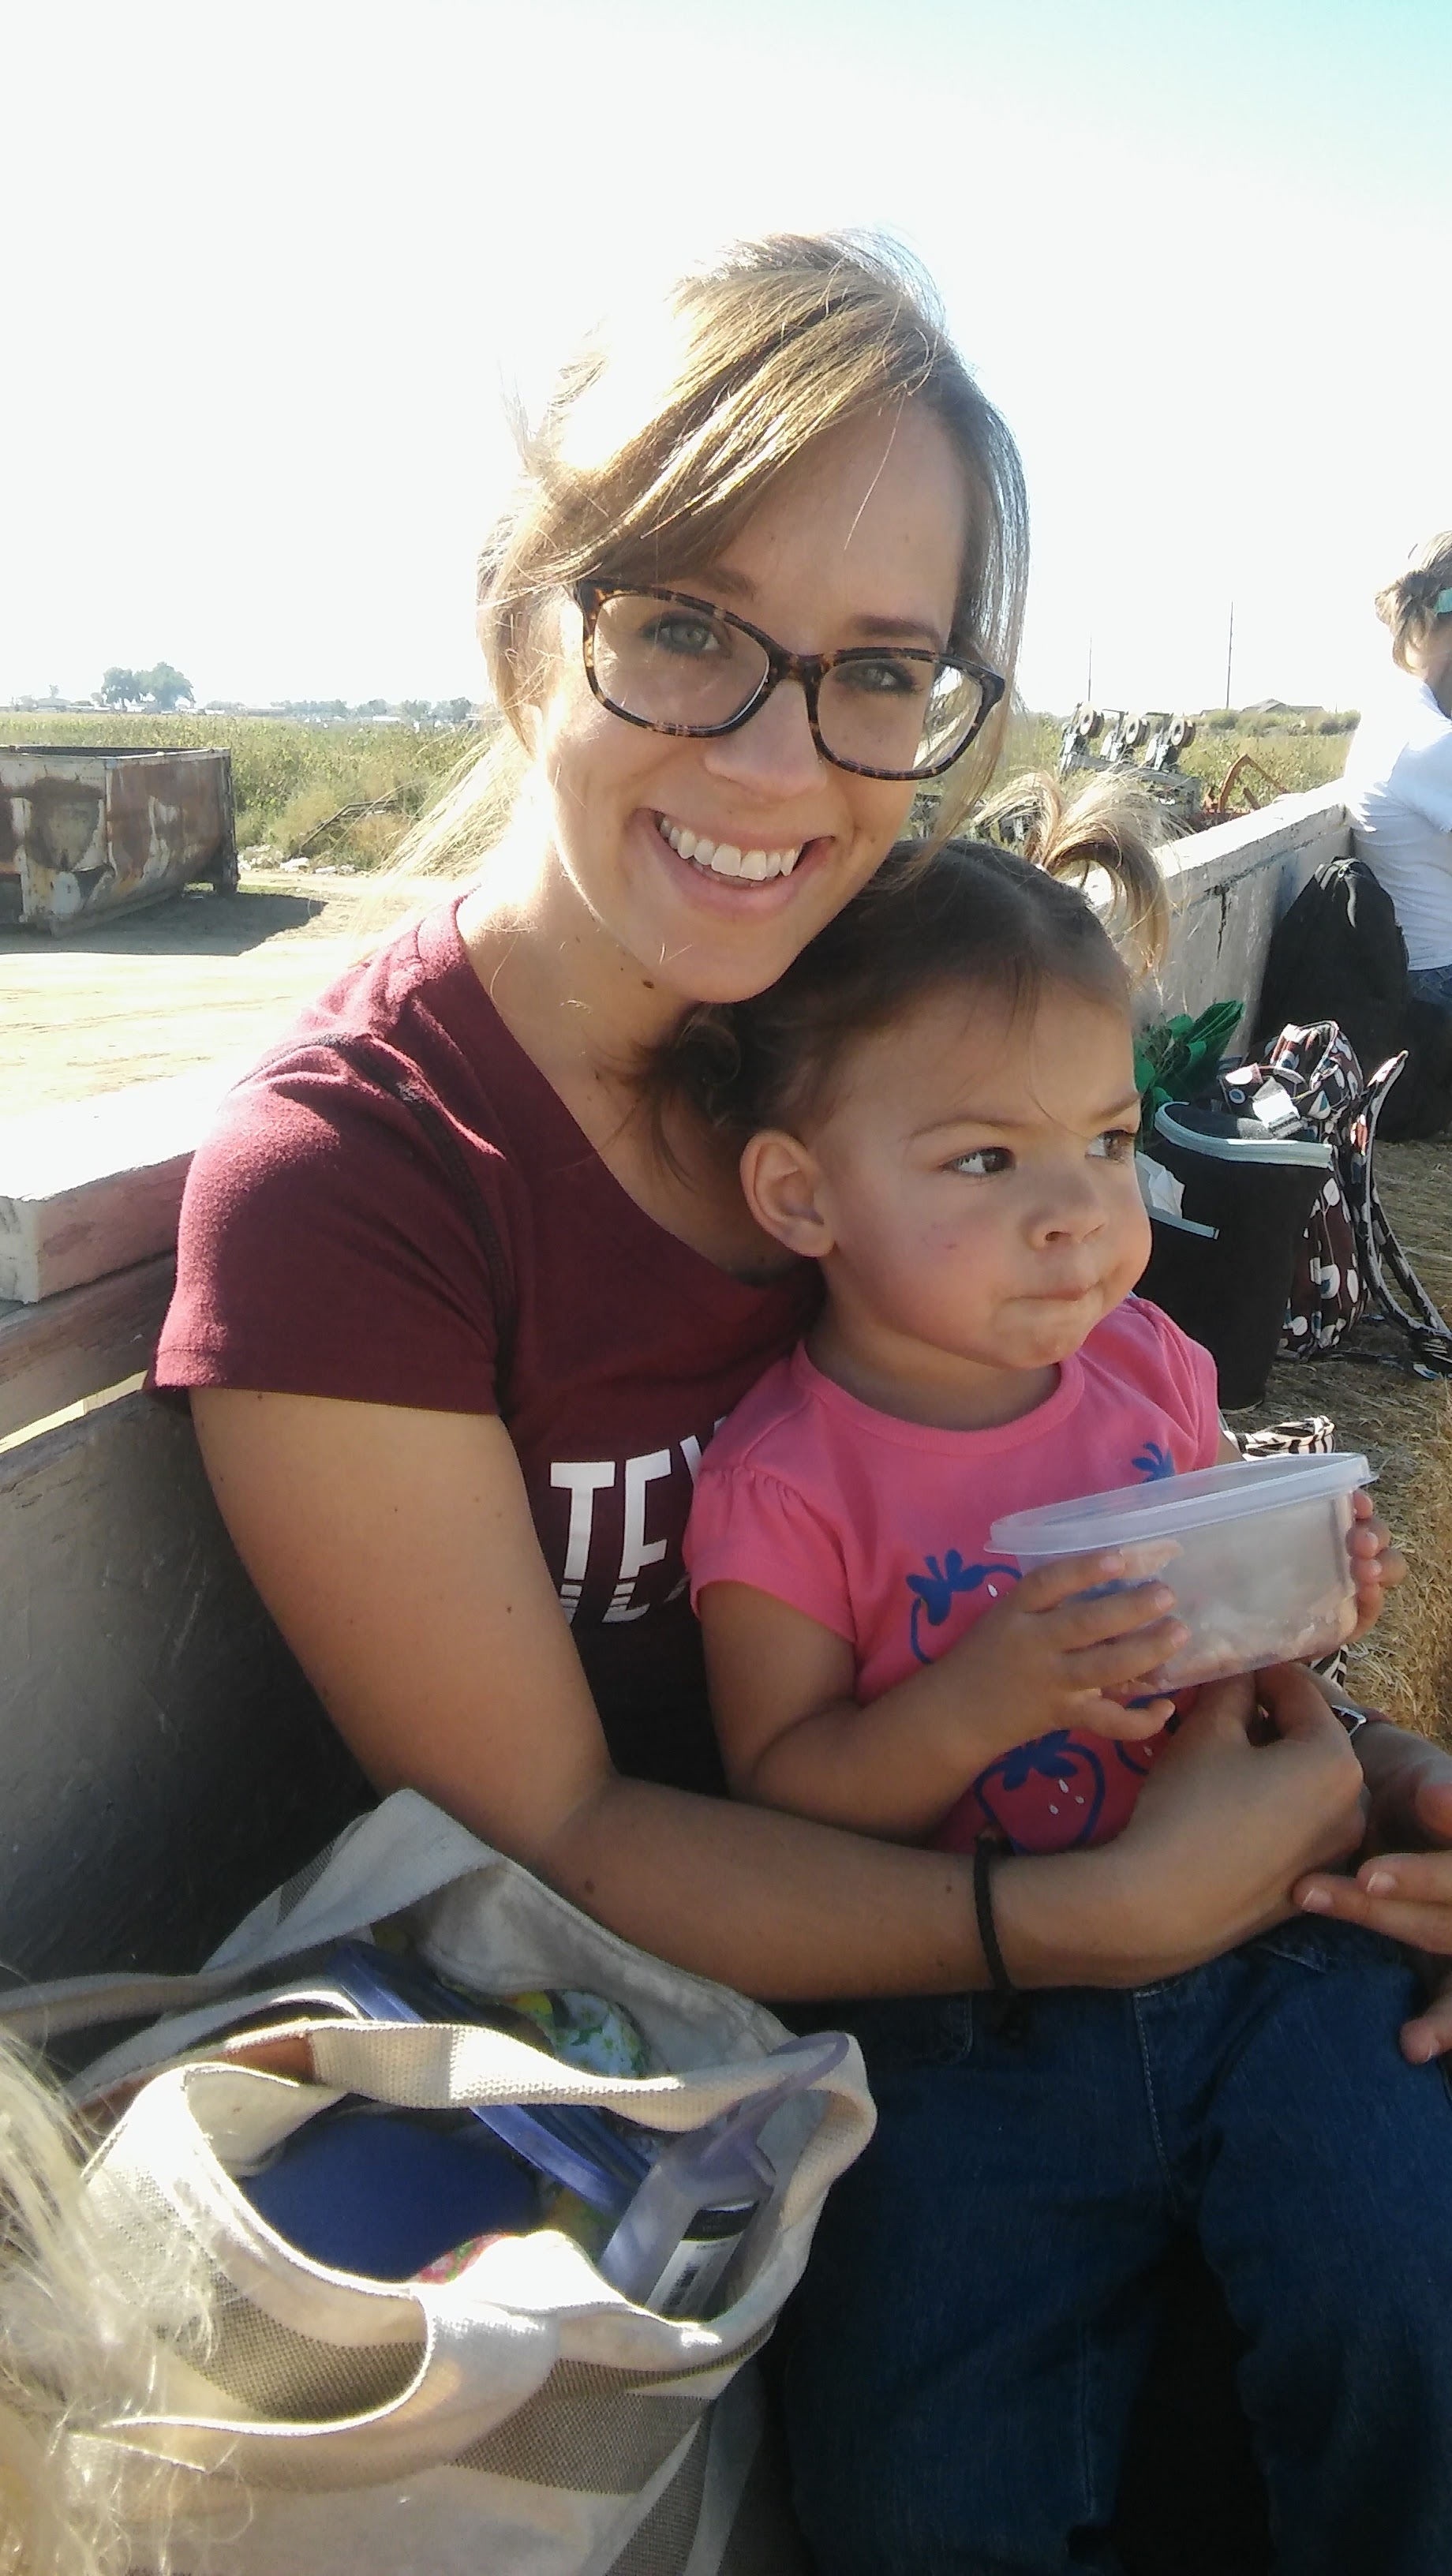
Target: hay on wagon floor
[1404, 1424]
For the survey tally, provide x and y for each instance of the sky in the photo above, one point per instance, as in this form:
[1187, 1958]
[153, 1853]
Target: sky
[272, 271]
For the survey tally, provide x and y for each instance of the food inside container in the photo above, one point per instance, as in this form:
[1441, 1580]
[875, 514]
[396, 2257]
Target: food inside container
[1262, 1569]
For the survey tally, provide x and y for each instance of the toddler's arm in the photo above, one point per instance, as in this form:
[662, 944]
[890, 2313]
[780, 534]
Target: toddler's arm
[793, 1735]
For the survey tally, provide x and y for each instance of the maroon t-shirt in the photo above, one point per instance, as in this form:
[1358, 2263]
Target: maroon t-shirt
[466, 1250]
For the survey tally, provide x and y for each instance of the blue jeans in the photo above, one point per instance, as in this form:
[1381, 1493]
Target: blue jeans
[980, 2306]
[1432, 984]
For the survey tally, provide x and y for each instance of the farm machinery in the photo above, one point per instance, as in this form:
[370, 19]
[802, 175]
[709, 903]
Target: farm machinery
[1150, 742]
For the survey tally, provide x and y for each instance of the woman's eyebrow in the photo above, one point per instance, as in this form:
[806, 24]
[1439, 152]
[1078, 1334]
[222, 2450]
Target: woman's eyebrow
[898, 630]
[873, 630]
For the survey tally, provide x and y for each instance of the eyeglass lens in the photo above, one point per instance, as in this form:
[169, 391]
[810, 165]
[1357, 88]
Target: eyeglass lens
[670, 664]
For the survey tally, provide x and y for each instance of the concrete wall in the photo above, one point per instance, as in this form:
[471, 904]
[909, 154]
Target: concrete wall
[1228, 889]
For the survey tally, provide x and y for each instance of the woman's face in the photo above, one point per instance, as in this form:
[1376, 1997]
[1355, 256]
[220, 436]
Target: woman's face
[863, 544]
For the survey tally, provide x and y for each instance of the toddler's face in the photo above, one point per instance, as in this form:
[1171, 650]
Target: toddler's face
[975, 1174]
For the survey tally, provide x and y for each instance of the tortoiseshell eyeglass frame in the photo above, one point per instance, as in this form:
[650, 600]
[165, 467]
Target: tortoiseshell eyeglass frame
[808, 669]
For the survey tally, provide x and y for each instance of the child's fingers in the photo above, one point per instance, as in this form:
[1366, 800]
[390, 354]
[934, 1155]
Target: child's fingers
[1092, 1621]
[1369, 1541]
[1100, 1577]
[1115, 1661]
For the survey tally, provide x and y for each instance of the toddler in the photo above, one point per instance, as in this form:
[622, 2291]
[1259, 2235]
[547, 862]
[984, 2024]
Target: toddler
[941, 1109]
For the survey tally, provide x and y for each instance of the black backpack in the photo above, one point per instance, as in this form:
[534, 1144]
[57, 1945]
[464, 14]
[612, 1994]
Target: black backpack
[1339, 955]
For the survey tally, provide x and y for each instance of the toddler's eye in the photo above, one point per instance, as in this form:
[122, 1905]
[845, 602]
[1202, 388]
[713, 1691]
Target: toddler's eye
[983, 1162]
[1116, 1145]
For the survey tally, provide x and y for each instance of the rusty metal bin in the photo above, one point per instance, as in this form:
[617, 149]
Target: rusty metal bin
[86, 832]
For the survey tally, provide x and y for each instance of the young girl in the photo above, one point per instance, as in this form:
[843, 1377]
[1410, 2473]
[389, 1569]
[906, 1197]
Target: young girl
[942, 1108]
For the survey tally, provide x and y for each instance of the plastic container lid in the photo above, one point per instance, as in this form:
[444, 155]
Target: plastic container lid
[1172, 1506]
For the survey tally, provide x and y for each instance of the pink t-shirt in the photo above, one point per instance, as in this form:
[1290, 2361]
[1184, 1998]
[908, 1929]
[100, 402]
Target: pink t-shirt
[878, 1530]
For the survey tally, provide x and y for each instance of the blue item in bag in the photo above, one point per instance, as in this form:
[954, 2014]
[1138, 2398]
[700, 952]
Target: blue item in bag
[379, 2193]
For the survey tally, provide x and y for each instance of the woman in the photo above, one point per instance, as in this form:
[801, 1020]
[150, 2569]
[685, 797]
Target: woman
[1399, 771]
[457, 1322]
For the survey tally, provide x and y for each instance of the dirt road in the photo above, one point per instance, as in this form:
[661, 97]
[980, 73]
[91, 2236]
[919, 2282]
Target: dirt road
[156, 993]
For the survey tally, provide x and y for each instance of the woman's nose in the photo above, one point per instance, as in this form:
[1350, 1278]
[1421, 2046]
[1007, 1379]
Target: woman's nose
[773, 752]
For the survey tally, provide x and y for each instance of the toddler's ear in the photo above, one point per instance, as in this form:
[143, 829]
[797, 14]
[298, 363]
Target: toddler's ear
[782, 1183]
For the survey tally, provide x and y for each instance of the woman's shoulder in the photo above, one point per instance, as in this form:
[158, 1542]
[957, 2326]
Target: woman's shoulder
[331, 1224]
[410, 1015]
[1402, 722]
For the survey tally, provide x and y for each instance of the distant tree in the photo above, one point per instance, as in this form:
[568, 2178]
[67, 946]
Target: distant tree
[164, 687]
[458, 711]
[415, 709]
[372, 707]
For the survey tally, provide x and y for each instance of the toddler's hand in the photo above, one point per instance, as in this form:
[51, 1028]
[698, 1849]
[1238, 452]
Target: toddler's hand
[1375, 1563]
[1069, 1635]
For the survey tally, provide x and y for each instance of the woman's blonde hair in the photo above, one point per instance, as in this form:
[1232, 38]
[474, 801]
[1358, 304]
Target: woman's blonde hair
[1408, 605]
[80, 2343]
[661, 440]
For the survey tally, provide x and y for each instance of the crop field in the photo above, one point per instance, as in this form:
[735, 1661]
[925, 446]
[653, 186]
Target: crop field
[291, 779]
[1298, 753]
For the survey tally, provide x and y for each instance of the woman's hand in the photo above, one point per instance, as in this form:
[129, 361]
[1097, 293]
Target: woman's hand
[1376, 1564]
[1404, 1889]
[1222, 1828]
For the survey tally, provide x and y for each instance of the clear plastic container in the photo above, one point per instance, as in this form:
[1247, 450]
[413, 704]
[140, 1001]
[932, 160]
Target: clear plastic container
[1261, 1571]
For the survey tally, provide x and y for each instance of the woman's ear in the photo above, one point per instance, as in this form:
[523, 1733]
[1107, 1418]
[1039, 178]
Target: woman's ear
[782, 1183]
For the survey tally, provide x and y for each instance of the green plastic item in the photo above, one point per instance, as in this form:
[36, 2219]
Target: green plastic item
[1178, 1058]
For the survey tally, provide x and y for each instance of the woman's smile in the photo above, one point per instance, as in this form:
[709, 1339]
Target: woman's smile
[728, 858]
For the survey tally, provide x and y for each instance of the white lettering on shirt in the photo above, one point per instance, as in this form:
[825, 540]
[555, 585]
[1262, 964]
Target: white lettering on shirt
[636, 1550]
[582, 1479]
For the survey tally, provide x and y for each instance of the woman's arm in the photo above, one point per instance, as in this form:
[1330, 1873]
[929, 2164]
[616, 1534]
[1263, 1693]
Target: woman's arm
[396, 1550]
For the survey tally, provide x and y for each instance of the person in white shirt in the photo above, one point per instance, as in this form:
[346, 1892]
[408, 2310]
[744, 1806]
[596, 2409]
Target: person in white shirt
[1399, 770]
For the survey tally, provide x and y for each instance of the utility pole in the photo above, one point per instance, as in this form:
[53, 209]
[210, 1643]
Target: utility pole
[1089, 677]
[1229, 655]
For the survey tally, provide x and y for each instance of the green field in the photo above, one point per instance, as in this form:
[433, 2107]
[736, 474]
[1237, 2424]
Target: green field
[1293, 751]
[290, 778]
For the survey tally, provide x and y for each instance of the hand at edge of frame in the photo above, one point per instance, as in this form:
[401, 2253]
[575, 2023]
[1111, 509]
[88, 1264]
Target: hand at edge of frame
[1404, 1893]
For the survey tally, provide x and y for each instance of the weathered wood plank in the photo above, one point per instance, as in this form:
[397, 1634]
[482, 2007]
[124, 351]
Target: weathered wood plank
[75, 1344]
[94, 1185]
[162, 1759]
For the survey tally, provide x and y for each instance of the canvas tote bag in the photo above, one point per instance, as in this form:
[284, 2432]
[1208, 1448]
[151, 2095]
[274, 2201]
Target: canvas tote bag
[522, 2417]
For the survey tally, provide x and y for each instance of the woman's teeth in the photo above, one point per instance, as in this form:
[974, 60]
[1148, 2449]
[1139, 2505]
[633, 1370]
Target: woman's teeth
[723, 859]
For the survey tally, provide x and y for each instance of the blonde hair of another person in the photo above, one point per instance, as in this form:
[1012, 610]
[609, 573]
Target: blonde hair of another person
[82, 2327]
[1409, 605]
[661, 438]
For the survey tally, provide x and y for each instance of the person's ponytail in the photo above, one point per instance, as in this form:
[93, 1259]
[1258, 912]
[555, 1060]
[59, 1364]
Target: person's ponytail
[1102, 838]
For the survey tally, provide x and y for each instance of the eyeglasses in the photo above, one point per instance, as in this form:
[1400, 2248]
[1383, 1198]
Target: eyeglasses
[676, 664]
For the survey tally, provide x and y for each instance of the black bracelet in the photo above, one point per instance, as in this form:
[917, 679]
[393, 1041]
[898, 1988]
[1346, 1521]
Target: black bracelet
[1008, 2016]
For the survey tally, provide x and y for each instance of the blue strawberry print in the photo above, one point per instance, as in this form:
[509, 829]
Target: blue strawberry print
[1154, 1462]
[1074, 1768]
[937, 1589]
